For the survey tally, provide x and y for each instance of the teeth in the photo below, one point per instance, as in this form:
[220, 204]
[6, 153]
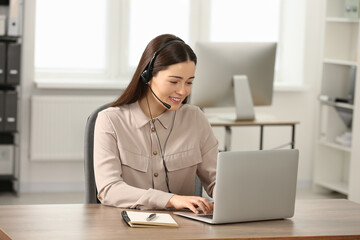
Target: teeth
[176, 99]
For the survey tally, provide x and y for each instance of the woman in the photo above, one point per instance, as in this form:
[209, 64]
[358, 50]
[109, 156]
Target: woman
[149, 144]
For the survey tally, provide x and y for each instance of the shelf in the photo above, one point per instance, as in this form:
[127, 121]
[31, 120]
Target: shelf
[9, 38]
[9, 132]
[335, 146]
[341, 20]
[340, 62]
[336, 153]
[340, 187]
[337, 104]
[11, 55]
[7, 177]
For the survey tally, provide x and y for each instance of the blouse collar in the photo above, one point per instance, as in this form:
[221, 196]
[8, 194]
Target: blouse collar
[140, 119]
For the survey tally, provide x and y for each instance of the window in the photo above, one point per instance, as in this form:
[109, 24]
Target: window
[155, 17]
[244, 21]
[105, 42]
[69, 39]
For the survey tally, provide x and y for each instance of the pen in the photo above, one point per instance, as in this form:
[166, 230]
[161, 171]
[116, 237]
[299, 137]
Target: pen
[151, 217]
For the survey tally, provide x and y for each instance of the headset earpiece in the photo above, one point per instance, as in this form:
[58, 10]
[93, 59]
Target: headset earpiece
[146, 75]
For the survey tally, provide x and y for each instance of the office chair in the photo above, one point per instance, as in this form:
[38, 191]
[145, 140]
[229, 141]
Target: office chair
[90, 186]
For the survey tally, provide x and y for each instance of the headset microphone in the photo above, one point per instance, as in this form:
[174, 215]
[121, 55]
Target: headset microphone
[168, 106]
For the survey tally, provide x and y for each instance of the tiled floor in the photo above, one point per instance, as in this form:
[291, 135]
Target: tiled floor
[79, 197]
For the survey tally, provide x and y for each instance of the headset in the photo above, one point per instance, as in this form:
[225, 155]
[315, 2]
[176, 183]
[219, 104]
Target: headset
[146, 75]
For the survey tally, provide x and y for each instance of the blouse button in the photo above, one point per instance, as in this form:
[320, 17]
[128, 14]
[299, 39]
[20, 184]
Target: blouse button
[155, 152]
[153, 120]
[156, 174]
[153, 129]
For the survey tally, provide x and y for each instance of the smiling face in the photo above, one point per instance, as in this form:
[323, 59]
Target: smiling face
[172, 86]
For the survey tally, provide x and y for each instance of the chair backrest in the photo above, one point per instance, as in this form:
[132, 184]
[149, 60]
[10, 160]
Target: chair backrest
[90, 185]
[198, 187]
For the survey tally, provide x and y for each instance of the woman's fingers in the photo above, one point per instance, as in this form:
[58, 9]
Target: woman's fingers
[192, 208]
[209, 205]
[191, 202]
[202, 205]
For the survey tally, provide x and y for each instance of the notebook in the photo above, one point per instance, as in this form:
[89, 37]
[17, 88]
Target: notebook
[141, 219]
[253, 186]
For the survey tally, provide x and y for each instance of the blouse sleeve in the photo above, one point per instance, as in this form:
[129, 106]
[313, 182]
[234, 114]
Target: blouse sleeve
[112, 190]
[209, 151]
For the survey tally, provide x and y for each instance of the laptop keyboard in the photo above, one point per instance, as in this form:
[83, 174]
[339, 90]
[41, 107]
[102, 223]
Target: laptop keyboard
[210, 216]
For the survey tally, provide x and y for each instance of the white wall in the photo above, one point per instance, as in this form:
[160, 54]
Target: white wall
[38, 176]
[68, 176]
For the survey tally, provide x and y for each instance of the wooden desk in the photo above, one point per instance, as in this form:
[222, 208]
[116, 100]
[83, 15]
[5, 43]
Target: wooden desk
[261, 121]
[314, 219]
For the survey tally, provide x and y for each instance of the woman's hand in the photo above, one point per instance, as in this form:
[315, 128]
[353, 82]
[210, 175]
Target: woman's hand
[190, 202]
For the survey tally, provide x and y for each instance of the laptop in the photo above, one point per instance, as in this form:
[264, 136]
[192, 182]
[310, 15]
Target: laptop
[253, 186]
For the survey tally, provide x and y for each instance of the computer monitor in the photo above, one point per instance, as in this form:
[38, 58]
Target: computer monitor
[234, 74]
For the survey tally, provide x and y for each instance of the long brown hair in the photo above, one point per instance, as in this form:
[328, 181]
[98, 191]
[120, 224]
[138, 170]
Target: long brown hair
[174, 53]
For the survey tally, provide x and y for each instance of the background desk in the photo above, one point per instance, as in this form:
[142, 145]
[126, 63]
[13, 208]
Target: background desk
[261, 121]
[314, 219]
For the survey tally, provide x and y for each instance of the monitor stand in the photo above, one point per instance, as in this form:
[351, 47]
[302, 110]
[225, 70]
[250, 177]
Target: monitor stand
[243, 101]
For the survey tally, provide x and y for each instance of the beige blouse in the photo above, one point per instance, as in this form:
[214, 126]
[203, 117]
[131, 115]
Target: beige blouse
[129, 171]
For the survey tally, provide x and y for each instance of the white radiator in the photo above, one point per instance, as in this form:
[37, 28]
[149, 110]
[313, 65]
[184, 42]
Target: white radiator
[58, 125]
